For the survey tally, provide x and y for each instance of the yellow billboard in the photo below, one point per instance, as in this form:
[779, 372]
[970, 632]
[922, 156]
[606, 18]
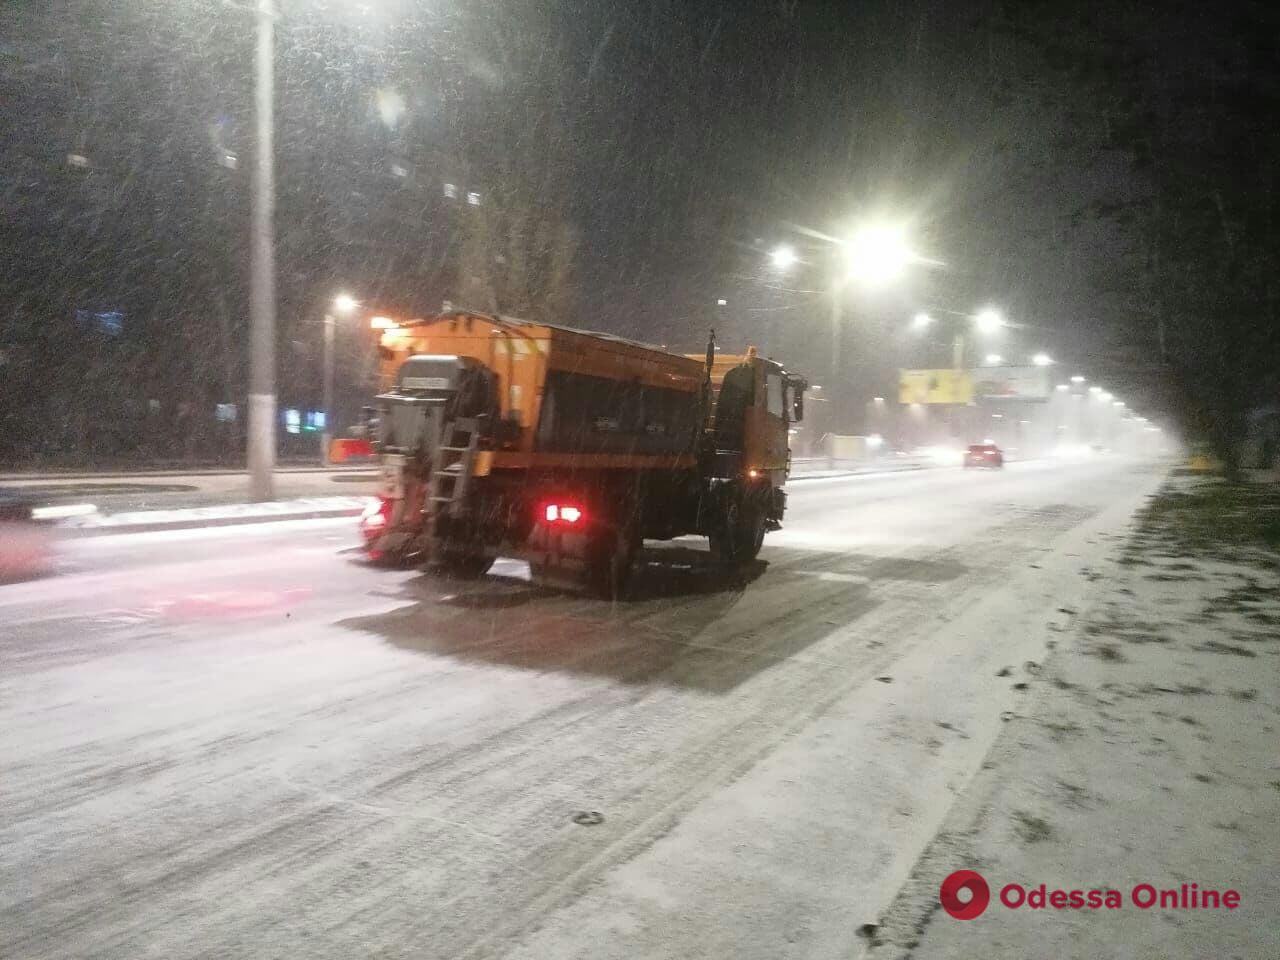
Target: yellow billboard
[935, 386]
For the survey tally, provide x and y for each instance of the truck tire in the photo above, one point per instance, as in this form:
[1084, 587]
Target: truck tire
[612, 560]
[463, 566]
[397, 558]
[741, 532]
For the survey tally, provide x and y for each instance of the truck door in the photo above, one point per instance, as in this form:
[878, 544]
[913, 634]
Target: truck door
[776, 422]
[737, 397]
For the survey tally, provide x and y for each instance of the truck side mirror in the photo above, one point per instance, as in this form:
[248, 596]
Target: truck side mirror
[797, 400]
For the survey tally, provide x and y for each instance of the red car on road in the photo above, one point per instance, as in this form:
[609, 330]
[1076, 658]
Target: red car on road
[983, 455]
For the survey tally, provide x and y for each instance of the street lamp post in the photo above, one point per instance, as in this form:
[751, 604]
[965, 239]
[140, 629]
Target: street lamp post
[837, 329]
[874, 256]
[341, 304]
[261, 452]
[326, 434]
[988, 321]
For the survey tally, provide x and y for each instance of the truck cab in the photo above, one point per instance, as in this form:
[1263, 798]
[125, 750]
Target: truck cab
[749, 457]
[756, 403]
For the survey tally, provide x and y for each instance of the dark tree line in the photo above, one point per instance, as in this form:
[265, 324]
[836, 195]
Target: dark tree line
[1187, 94]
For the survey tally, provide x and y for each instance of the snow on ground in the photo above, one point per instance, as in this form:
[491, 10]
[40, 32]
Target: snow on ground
[1149, 752]
[240, 742]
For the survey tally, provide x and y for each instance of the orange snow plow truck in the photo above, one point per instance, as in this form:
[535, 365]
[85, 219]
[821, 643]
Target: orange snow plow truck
[497, 437]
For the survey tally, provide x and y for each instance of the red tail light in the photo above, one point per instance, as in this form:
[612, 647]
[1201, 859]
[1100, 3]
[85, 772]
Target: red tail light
[375, 517]
[563, 513]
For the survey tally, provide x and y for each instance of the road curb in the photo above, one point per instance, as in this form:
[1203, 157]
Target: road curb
[167, 472]
[197, 523]
[858, 473]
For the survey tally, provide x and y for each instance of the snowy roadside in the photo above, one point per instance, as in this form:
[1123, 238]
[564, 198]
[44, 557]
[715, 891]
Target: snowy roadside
[1148, 754]
[147, 504]
[143, 521]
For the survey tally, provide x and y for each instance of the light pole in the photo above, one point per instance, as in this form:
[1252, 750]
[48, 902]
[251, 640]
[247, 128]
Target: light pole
[988, 321]
[837, 328]
[874, 256]
[261, 452]
[343, 304]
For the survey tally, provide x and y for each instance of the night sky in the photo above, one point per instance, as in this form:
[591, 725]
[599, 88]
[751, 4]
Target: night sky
[667, 145]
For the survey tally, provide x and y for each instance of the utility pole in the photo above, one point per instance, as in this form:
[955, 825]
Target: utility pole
[327, 433]
[955, 414]
[838, 397]
[261, 452]
[837, 323]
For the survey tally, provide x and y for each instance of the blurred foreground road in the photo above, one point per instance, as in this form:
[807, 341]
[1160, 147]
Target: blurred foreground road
[242, 742]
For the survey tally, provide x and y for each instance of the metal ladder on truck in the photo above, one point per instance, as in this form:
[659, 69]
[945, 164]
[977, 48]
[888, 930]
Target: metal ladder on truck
[451, 468]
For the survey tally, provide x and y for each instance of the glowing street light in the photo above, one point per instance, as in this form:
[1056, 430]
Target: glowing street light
[994, 360]
[874, 255]
[921, 321]
[988, 320]
[1042, 360]
[877, 254]
[783, 257]
[344, 303]
[1077, 379]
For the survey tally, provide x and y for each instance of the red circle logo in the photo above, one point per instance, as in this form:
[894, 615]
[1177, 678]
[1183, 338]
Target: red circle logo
[979, 894]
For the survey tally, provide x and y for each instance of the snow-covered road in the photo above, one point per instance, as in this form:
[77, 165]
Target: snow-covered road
[241, 742]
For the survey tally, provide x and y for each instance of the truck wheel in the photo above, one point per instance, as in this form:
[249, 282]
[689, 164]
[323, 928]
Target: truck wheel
[463, 566]
[612, 561]
[741, 533]
[752, 531]
[397, 558]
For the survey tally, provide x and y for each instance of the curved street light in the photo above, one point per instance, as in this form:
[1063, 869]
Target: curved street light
[988, 320]
[783, 257]
[877, 254]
